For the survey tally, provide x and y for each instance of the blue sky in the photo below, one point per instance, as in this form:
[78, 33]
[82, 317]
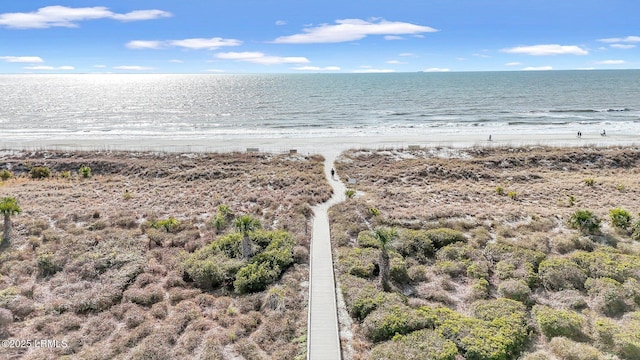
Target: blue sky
[301, 36]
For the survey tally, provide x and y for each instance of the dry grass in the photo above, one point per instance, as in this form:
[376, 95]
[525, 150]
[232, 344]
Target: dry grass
[508, 231]
[85, 266]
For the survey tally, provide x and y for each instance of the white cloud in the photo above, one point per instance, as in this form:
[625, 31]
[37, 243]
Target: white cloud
[515, 63]
[406, 54]
[62, 16]
[199, 43]
[261, 58]
[628, 39]
[215, 70]
[176, 61]
[351, 30]
[393, 37]
[538, 68]
[611, 62]
[194, 44]
[549, 49]
[43, 67]
[22, 59]
[140, 15]
[483, 56]
[144, 44]
[435, 69]
[317, 68]
[133, 68]
[395, 62]
[99, 66]
[281, 22]
[622, 46]
[370, 70]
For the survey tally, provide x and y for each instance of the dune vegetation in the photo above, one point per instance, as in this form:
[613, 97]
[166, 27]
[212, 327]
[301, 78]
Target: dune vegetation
[493, 253]
[122, 255]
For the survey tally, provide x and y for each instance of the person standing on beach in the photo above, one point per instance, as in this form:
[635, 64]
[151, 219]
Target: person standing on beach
[333, 173]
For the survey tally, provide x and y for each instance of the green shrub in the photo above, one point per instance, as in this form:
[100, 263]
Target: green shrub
[209, 272]
[255, 277]
[415, 243]
[478, 270]
[358, 261]
[500, 190]
[423, 344]
[5, 174]
[47, 264]
[558, 322]
[627, 341]
[85, 171]
[442, 237]
[561, 274]
[373, 211]
[502, 338]
[40, 172]
[607, 262]
[362, 297]
[512, 195]
[490, 310]
[589, 181]
[169, 225]
[366, 239]
[585, 221]
[480, 290]
[386, 322]
[635, 230]
[620, 218]
[349, 193]
[515, 289]
[608, 294]
[398, 269]
[567, 349]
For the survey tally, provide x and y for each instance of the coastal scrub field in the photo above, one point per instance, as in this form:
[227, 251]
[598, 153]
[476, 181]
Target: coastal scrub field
[489, 253]
[123, 255]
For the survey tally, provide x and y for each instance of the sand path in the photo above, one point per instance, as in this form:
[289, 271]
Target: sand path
[322, 336]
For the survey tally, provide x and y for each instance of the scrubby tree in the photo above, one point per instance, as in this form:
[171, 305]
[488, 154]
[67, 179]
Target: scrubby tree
[385, 237]
[246, 224]
[8, 207]
[620, 218]
[586, 221]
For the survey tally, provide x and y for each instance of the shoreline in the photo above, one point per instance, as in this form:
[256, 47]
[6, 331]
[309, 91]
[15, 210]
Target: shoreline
[319, 145]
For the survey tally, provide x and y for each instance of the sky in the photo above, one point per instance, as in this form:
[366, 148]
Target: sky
[310, 36]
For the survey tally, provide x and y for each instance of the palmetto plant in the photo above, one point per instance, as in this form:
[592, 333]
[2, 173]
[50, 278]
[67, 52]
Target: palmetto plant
[385, 238]
[8, 207]
[246, 224]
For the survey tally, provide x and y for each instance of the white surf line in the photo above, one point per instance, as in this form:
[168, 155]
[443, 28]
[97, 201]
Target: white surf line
[323, 338]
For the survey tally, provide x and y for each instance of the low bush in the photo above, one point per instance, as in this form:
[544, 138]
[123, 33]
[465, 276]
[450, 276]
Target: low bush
[608, 262]
[398, 269]
[5, 174]
[423, 344]
[255, 277]
[567, 349]
[620, 218]
[366, 239]
[210, 271]
[387, 321]
[515, 290]
[40, 172]
[358, 261]
[502, 338]
[608, 295]
[362, 297]
[48, 264]
[442, 237]
[561, 274]
[558, 322]
[170, 224]
[490, 310]
[585, 221]
[415, 243]
[84, 171]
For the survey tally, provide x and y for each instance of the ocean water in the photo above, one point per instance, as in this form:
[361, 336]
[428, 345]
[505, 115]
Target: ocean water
[164, 107]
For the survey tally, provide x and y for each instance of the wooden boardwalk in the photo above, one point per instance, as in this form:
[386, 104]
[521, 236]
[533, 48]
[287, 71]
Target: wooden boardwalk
[323, 340]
